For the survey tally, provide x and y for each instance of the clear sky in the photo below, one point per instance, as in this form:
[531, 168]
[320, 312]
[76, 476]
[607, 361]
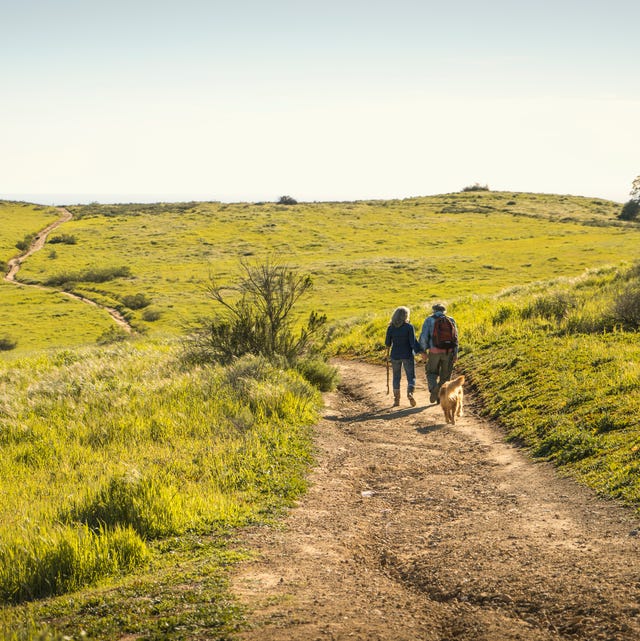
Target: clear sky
[246, 100]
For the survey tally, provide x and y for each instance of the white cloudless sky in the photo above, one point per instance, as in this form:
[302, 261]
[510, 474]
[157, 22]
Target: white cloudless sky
[248, 100]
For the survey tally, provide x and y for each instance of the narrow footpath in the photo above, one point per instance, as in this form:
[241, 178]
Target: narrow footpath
[37, 244]
[417, 530]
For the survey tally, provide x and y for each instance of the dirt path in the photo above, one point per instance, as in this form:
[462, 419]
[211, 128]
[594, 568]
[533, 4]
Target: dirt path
[413, 530]
[36, 245]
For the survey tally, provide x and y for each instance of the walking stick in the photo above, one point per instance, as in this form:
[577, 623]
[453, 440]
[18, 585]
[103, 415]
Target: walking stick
[387, 371]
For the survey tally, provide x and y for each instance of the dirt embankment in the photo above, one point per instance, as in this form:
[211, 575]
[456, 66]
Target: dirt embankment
[413, 529]
[36, 245]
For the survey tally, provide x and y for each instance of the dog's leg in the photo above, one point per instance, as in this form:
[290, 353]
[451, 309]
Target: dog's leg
[448, 414]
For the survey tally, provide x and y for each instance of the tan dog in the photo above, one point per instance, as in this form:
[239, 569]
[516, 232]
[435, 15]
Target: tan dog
[451, 396]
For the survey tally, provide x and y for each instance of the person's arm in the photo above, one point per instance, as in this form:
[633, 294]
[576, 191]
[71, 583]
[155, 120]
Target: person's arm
[416, 348]
[425, 334]
[455, 349]
[424, 339]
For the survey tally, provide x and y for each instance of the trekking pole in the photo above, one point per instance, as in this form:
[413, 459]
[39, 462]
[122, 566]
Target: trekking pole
[387, 359]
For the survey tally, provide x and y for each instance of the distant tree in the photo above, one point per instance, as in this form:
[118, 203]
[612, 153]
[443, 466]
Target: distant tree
[631, 209]
[287, 200]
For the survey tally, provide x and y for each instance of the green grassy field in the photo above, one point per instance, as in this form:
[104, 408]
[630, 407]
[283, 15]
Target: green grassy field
[365, 257]
[124, 471]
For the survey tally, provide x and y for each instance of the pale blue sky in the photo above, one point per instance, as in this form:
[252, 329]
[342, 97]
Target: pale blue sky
[332, 100]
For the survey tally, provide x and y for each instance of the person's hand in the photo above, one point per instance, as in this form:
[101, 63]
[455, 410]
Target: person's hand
[423, 356]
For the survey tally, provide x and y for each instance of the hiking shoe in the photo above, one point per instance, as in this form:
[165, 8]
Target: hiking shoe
[433, 397]
[412, 400]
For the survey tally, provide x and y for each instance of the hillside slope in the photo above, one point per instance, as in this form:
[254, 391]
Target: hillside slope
[365, 256]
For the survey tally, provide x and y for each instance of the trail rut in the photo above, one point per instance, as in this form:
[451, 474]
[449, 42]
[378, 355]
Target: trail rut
[413, 529]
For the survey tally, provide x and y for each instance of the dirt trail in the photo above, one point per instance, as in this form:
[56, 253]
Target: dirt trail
[36, 245]
[414, 530]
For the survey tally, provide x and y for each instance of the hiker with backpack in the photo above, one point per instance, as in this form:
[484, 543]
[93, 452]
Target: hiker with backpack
[402, 346]
[439, 340]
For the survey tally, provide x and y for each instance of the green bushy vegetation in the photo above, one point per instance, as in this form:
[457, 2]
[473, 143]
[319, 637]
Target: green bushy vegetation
[7, 343]
[93, 275]
[136, 301]
[67, 239]
[256, 316]
[24, 243]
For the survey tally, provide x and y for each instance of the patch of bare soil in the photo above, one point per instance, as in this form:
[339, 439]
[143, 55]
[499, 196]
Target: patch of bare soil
[413, 529]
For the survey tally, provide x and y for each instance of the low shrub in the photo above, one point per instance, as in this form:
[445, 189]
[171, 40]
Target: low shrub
[627, 306]
[151, 315]
[319, 373]
[7, 344]
[65, 239]
[95, 275]
[112, 335]
[476, 187]
[25, 243]
[256, 317]
[630, 210]
[151, 509]
[553, 306]
[136, 301]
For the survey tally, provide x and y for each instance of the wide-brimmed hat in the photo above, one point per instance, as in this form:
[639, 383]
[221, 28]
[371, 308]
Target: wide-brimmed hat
[438, 307]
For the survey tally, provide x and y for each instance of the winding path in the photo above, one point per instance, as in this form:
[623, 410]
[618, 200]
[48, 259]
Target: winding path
[37, 244]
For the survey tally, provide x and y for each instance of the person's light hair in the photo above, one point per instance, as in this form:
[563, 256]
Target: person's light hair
[400, 316]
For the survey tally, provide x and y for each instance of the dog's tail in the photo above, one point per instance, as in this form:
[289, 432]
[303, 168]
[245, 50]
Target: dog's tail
[456, 383]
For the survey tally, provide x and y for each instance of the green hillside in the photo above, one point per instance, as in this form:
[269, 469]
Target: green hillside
[365, 257]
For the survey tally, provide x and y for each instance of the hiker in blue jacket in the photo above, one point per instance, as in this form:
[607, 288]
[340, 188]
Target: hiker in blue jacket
[441, 347]
[402, 346]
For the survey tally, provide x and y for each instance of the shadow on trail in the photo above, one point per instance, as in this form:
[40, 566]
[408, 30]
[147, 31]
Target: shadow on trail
[429, 429]
[385, 414]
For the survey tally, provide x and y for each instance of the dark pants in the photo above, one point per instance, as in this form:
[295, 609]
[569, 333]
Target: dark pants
[438, 370]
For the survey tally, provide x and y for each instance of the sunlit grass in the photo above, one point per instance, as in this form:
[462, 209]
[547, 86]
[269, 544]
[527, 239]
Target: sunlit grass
[20, 220]
[364, 256]
[106, 452]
